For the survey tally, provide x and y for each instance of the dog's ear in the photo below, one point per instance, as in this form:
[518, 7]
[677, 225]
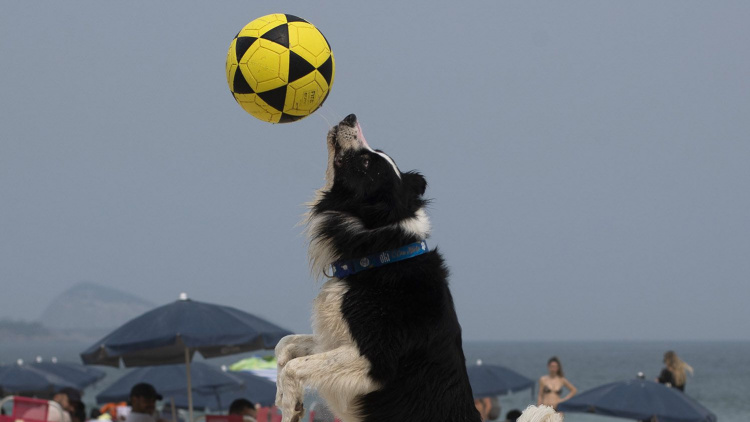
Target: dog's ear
[415, 182]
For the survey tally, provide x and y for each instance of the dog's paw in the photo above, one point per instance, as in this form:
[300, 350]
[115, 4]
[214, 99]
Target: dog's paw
[283, 356]
[286, 350]
[289, 394]
[294, 415]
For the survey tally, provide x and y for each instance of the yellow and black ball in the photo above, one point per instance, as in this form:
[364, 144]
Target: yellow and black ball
[280, 68]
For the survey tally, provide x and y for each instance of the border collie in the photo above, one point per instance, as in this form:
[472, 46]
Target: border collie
[386, 343]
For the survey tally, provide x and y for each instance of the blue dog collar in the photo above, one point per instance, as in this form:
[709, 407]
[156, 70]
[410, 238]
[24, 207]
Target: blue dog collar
[344, 268]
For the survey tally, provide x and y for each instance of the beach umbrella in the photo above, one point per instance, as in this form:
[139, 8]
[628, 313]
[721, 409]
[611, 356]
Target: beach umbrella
[638, 399]
[173, 333]
[495, 380]
[79, 375]
[258, 390]
[22, 378]
[170, 381]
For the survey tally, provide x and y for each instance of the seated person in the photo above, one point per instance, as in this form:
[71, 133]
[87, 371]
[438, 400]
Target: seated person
[143, 399]
[244, 408]
[70, 400]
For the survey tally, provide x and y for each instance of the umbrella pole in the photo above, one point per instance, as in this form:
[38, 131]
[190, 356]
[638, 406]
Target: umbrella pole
[174, 411]
[189, 384]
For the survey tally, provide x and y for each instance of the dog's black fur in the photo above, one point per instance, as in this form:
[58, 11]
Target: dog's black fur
[401, 315]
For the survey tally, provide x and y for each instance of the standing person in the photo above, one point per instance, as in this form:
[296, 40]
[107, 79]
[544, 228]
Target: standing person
[143, 399]
[675, 373]
[551, 385]
[484, 406]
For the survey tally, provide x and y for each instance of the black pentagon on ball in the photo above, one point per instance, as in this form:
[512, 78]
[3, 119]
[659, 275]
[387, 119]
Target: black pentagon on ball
[242, 45]
[292, 18]
[298, 66]
[288, 118]
[326, 69]
[240, 85]
[275, 97]
[279, 35]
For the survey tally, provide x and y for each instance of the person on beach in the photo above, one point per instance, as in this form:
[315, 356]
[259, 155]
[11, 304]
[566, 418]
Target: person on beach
[675, 372]
[512, 415]
[69, 399]
[244, 408]
[143, 397]
[483, 405]
[551, 385]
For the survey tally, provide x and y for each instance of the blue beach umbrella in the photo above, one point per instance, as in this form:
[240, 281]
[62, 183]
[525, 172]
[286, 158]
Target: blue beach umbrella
[257, 389]
[641, 400]
[173, 333]
[22, 378]
[170, 380]
[79, 375]
[494, 380]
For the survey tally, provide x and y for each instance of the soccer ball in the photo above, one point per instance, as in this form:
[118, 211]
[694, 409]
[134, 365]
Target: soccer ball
[280, 68]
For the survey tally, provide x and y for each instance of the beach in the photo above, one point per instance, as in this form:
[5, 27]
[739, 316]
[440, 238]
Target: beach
[722, 369]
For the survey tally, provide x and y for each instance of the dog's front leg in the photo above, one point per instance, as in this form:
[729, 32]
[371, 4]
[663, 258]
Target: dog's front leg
[288, 348]
[341, 372]
[293, 346]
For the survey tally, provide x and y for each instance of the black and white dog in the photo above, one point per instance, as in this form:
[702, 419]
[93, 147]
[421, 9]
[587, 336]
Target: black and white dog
[386, 343]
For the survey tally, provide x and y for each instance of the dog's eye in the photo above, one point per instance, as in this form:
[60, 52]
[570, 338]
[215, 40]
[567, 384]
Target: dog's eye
[338, 161]
[365, 161]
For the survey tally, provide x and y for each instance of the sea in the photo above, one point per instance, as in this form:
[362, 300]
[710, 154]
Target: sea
[721, 381]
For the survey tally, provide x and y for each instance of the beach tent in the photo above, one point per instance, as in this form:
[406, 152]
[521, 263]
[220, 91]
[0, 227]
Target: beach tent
[173, 333]
[639, 399]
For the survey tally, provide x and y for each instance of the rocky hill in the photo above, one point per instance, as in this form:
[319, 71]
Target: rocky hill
[93, 307]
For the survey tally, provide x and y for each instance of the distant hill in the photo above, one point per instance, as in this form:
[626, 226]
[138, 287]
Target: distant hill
[92, 307]
[20, 329]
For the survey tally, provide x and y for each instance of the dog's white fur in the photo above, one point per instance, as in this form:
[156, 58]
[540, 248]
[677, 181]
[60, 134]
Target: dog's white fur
[329, 361]
[540, 413]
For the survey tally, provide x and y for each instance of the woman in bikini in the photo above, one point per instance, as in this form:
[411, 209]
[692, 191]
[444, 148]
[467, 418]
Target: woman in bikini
[551, 385]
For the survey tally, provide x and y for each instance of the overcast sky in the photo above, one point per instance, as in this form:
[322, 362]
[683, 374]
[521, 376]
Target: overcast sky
[588, 161]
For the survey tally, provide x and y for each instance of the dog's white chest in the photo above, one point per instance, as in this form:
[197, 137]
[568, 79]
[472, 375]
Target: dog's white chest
[330, 328]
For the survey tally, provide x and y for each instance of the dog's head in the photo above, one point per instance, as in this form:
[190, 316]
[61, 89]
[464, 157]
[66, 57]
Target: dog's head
[366, 182]
[367, 204]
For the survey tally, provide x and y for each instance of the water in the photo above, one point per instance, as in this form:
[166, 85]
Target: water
[721, 382]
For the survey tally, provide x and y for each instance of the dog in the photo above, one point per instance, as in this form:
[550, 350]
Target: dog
[387, 342]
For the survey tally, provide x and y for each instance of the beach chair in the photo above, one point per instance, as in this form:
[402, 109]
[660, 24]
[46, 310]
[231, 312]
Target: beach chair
[263, 414]
[26, 409]
[268, 414]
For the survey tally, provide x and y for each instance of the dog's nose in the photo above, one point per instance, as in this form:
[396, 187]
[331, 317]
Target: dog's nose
[350, 120]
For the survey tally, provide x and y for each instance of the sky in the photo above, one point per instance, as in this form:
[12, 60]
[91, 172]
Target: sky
[587, 161]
